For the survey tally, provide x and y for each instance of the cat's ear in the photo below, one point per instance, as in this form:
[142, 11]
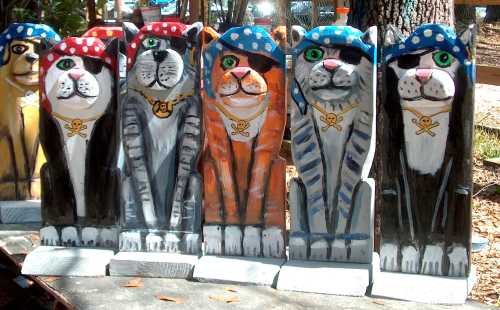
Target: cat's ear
[393, 36]
[467, 36]
[370, 36]
[298, 33]
[279, 36]
[130, 30]
[192, 33]
[209, 34]
[5, 53]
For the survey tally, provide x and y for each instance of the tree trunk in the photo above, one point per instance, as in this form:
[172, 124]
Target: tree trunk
[492, 14]
[91, 11]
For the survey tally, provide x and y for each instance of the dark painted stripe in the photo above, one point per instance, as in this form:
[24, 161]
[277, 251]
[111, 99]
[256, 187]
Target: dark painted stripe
[310, 165]
[358, 147]
[348, 186]
[309, 148]
[361, 134]
[303, 136]
[314, 198]
[313, 180]
[345, 198]
[352, 164]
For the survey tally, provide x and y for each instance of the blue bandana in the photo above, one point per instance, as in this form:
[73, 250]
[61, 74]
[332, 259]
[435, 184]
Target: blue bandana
[21, 31]
[247, 39]
[330, 35]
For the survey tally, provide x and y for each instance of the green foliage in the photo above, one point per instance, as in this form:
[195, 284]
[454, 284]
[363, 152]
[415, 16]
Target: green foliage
[23, 15]
[67, 17]
[487, 144]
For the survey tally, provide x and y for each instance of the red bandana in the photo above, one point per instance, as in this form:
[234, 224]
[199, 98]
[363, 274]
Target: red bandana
[72, 46]
[158, 29]
[105, 32]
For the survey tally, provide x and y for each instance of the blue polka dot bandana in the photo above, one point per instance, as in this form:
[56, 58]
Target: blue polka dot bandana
[335, 35]
[20, 31]
[247, 39]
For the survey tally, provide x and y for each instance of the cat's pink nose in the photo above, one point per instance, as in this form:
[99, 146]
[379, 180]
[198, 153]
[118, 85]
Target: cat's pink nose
[76, 74]
[423, 75]
[240, 72]
[330, 64]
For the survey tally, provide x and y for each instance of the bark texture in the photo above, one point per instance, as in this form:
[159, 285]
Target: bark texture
[492, 14]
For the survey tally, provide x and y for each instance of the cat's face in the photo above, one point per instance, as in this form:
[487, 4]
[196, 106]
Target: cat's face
[159, 64]
[78, 83]
[426, 75]
[240, 79]
[330, 73]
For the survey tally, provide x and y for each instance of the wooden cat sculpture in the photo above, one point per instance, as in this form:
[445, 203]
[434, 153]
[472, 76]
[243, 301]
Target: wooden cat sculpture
[161, 130]
[78, 135]
[427, 151]
[332, 125]
[19, 147]
[244, 118]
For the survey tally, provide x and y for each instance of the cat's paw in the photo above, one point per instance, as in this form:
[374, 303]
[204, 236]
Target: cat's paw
[360, 251]
[251, 241]
[432, 262]
[130, 241]
[172, 243]
[339, 250]
[273, 243]
[459, 261]
[154, 242]
[108, 237]
[233, 241]
[69, 236]
[298, 247]
[49, 236]
[410, 261]
[192, 243]
[212, 239]
[89, 236]
[389, 256]
[319, 249]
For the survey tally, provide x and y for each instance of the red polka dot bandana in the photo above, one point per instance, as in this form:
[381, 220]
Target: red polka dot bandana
[105, 32]
[73, 46]
[158, 29]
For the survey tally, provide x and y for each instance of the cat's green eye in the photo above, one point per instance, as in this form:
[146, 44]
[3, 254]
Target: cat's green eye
[65, 64]
[313, 54]
[442, 59]
[150, 43]
[229, 62]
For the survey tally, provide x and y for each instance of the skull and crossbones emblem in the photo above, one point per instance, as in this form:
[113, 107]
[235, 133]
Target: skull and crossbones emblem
[240, 127]
[331, 120]
[76, 127]
[425, 124]
[163, 109]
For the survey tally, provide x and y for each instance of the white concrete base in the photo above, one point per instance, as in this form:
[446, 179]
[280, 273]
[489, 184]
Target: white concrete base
[62, 261]
[423, 288]
[23, 211]
[238, 269]
[153, 264]
[325, 277]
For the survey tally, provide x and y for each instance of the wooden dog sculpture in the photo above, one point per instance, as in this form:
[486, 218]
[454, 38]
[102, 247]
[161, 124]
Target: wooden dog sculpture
[427, 151]
[244, 119]
[19, 146]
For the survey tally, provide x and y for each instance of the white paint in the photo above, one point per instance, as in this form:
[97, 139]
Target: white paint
[410, 261]
[319, 250]
[49, 236]
[153, 242]
[108, 237]
[251, 241]
[212, 239]
[389, 256]
[432, 261]
[255, 124]
[130, 241]
[172, 242]
[192, 242]
[69, 235]
[233, 241]
[273, 243]
[89, 236]
[459, 261]
[297, 248]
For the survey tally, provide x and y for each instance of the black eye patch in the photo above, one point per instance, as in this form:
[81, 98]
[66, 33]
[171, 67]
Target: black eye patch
[92, 65]
[350, 55]
[408, 61]
[19, 48]
[260, 63]
[178, 44]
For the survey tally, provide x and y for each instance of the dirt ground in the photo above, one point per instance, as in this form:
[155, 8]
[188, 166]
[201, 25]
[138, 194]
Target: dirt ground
[488, 45]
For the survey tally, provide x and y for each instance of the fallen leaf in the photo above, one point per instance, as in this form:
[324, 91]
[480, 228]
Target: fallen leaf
[231, 289]
[226, 299]
[378, 302]
[50, 279]
[169, 299]
[136, 282]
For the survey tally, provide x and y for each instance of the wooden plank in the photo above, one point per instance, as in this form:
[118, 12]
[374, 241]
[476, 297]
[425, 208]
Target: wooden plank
[478, 2]
[488, 75]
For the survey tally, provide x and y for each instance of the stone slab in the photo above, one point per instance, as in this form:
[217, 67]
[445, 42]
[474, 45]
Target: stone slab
[25, 211]
[332, 278]
[62, 261]
[238, 269]
[157, 265]
[423, 288]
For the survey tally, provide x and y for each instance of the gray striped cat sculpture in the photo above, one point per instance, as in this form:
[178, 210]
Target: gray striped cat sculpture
[161, 132]
[332, 128]
[426, 151]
